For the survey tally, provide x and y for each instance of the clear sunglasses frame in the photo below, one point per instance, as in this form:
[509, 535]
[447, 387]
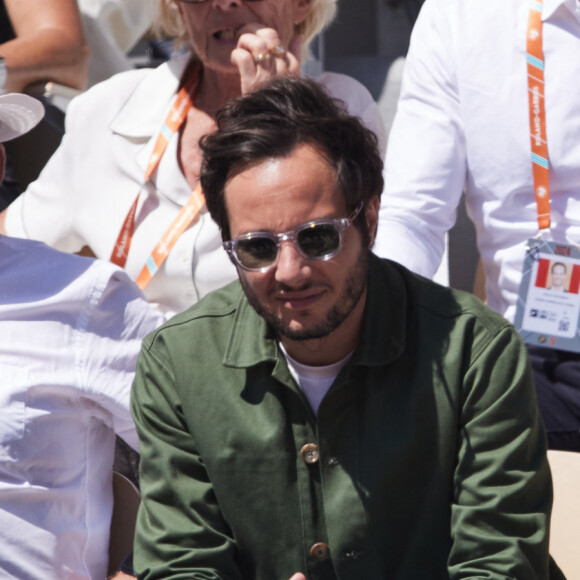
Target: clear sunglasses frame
[340, 224]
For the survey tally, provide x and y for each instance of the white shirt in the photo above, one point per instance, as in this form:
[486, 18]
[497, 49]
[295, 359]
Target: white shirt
[462, 120]
[87, 188]
[70, 332]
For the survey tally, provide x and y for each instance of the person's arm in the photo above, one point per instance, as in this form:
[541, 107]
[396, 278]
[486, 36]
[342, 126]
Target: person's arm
[118, 317]
[49, 44]
[122, 314]
[180, 531]
[425, 167]
[502, 487]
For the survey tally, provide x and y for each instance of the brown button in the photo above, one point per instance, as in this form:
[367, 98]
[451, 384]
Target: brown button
[320, 552]
[310, 453]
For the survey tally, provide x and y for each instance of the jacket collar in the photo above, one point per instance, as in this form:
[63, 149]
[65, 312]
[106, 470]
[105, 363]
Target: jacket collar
[252, 341]
[385, 320]
[143, 112]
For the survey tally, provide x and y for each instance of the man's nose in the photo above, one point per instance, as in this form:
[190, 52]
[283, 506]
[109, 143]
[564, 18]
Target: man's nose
[225, 4]
[292, 269]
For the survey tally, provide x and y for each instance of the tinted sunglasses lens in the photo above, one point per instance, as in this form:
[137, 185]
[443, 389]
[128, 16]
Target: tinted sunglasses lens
[319, 240]
[256, 253]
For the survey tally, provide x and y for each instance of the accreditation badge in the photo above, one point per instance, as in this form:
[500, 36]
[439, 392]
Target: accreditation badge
[548, 307]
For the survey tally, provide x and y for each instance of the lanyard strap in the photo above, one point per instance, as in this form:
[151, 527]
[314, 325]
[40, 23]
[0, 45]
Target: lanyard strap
[188, 213]
[537, 110]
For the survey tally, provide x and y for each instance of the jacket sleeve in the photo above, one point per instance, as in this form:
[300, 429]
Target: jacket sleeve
[502, 486]
[180, 530]
[425, 166]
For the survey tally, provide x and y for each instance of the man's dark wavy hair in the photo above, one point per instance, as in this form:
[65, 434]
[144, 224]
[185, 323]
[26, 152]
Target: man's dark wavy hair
[270, 123]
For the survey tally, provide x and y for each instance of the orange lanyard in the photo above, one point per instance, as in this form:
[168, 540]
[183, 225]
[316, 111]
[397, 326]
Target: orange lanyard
[188, 214]
[537, 110]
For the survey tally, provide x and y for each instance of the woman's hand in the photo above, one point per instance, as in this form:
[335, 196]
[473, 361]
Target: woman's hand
[260, 56]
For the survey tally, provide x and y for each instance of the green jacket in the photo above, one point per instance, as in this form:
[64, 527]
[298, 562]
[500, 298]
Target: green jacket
[429, 458]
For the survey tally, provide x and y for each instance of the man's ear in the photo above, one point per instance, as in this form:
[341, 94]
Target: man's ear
[372, 218]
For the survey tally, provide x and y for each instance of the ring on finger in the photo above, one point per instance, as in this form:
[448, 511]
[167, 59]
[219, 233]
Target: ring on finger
[262, 56]
[277, 50]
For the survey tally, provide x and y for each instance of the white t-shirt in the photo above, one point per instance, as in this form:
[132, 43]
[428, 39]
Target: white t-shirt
[314, 381]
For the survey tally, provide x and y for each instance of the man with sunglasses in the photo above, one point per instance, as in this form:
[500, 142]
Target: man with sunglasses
[331, 415]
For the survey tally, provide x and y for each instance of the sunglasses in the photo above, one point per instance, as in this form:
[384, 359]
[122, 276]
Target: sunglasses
[315, 240]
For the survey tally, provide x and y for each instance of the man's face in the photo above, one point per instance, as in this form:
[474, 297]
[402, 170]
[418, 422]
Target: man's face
[301, 298]
[558, 276]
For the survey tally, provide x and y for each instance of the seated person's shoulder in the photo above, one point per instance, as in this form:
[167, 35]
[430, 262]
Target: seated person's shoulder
[447, 303]
[212, 316]
[109, 95]
[222, 303]
[24, 261]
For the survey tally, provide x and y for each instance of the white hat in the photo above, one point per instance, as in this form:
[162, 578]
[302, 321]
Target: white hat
[18, 114]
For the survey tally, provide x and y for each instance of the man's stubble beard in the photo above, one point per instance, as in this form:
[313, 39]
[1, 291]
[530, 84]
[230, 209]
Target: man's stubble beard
[354, 289]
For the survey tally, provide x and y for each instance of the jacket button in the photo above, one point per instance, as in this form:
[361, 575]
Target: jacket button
[310, 453]
[320, 552]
